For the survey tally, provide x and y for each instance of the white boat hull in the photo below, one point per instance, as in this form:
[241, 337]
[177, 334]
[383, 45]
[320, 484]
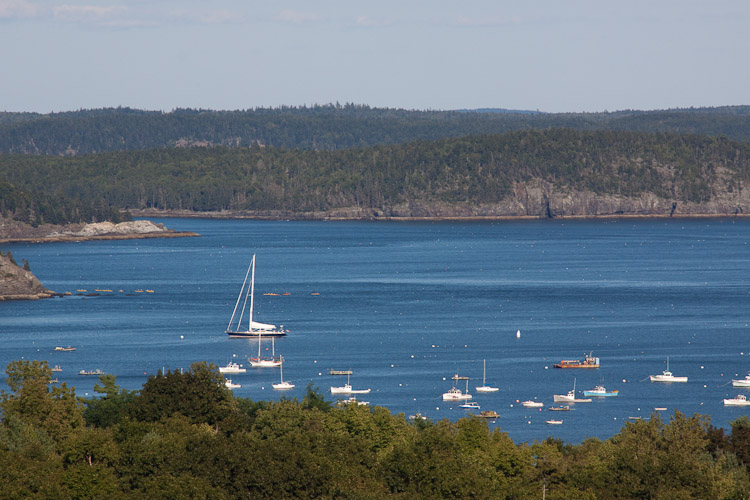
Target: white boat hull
[282, 386]
[532, 404]
[486, 388]
[666, 378]
[741, 383]
[347, 389]
[736, 402]
[265, 363]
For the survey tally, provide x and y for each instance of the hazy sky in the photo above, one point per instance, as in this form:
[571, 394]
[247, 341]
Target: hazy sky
[550, 55]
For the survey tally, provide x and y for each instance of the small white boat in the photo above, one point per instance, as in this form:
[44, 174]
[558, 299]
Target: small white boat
[232, 368]
[553, 421]
[417, 416]
[532, 404]
[455, 394]
[282, 386]
[570, 397]
[667, 376]
[745, 382]
[347, 389]
[472, 405]
[600, 392]
[484, 387]
[738, 400]
[352, 401]
[231, 385]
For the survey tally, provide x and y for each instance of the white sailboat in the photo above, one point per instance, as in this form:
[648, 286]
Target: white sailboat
[254, 328]
[261, 362]
[347, 389]
[282, 386]
[484, 387]
[667, 376]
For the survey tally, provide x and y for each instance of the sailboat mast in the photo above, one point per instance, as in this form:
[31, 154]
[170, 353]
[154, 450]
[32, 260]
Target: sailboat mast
[484, 371]
[252, 296]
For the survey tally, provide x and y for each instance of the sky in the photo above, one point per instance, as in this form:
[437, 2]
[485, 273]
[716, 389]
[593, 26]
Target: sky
[546, 55]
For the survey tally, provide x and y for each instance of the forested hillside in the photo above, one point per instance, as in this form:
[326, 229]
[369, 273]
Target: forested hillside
[329, 127]
[526, 173]
[184, 435]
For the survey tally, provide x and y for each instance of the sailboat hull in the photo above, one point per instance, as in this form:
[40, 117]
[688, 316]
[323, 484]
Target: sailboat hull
[255, 334]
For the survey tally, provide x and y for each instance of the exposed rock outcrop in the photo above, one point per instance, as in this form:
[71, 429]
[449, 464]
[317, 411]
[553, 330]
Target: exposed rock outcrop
[18, 284]
[14, 231]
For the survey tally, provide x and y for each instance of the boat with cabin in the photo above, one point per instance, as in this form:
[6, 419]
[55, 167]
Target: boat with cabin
[454, 393]
[744, 382]
[738, 400]
[91, 372]
[65, 349]
[532, 404]
[231, 385]
[254, 328]
[667, 376]
[600, 392]
[589, 361]
[471, 405]
[488, 414]
[348, 389]
[553, 421]
[570, 397]
[232, 367]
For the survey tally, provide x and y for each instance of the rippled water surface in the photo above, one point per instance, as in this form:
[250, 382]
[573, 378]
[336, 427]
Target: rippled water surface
[407, 305]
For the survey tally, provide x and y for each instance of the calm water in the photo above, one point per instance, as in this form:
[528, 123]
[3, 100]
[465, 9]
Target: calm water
[407, 305]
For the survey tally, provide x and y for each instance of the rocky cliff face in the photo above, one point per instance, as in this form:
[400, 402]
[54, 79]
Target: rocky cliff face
[19, 284]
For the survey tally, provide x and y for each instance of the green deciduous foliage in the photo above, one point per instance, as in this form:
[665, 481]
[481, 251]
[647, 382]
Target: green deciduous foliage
[186, 436]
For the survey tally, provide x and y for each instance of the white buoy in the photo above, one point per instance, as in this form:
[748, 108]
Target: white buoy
[518, 334]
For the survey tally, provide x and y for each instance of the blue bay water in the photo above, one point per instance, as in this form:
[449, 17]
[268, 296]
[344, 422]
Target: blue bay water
[407, 305]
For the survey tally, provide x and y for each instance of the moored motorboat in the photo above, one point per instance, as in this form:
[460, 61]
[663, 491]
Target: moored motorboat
[91, 372]
[600, 392]
[559, 408]
[553, 421]
[488, 414]
[532, 404]
[667, 376]
[347, 389]
[738, 400]
[745, 382]
[472, 405]
[455, 394]
[570, 397]
[232, 368]
[589, 361]
[65, 349]
[231, 385]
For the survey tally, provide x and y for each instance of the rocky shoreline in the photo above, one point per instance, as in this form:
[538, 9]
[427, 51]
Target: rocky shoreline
[15, 232]
[17, 283]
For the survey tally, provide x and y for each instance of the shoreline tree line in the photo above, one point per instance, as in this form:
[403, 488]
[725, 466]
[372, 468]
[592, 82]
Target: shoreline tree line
[185, 435]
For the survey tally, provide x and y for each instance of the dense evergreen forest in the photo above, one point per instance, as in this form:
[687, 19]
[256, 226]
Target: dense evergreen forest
[184, 435]
[477, 175]
[327, 127]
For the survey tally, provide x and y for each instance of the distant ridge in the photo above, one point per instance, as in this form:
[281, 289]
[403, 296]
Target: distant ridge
[502, 111]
